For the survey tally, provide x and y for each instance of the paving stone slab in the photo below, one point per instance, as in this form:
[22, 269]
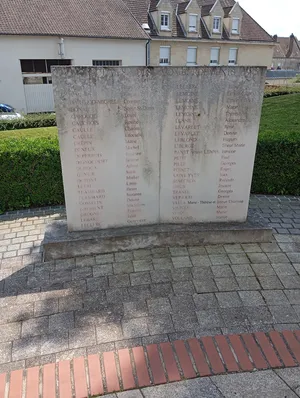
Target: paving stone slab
[209, 319]
[159, 306]
[136, 309]
[110, 332]
[229, 299]
[251, 298]
[253, 385]
[137, 327]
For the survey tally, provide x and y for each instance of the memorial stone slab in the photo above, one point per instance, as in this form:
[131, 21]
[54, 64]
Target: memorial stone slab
[165, 145]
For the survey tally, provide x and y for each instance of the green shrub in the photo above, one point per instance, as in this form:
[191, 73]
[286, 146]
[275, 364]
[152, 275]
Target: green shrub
[277, 164]
[274, 91]
[30, 173]
[29, 121]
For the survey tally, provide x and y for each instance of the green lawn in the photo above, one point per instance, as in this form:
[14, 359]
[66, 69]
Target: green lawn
[281, 114]
[31, 133]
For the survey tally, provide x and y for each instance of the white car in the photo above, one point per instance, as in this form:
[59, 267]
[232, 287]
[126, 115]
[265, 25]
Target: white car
[7, 112]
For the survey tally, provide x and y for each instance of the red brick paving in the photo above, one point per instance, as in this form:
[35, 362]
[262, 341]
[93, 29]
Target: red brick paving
[241, 353]
[184, 360]
[64, 380]
[199, 358]
[49, 381]
[2, 385]
[141, 367]
[213, 355]
[281, 349]
[155, 364]
[16, 384]
[268, 350]
[112, 380]
[170, 362]
[32, 385]
[128, 368]
[293, 343]
[230, 362]
[96, 383]
[253, 349]
[80, 378]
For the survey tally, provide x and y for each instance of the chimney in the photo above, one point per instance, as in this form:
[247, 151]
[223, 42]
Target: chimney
[291, 44]
[275, 37]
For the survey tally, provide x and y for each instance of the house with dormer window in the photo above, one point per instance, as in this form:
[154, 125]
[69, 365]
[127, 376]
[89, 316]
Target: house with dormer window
[286, 53]
[202, 32]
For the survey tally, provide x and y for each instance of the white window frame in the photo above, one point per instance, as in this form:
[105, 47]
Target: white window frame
[163, 26]
[218, 60]
[169, 56]
[215, 30]
[191, 63]
[230, 63]
[235, 31]
[193, 28]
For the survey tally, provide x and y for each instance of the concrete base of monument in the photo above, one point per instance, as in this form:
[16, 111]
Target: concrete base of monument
[59, 243]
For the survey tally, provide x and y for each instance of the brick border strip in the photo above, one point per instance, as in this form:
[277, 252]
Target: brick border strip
[154, 364]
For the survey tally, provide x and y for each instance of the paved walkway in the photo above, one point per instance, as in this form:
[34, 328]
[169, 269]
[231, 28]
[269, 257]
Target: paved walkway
[63, 309]
[158, 364]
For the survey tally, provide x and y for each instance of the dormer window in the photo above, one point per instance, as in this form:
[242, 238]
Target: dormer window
[235, 26]
[217, 25]
[165, 21]
[193, 22]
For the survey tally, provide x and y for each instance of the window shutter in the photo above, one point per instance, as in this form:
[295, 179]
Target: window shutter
[191, 56]
[193, 22]
[164, 52]
[232, 56]
[164, 56]
[214, 55]
[235, 25]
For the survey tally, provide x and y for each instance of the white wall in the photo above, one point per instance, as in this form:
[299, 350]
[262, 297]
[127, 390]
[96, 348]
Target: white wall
[81, 50]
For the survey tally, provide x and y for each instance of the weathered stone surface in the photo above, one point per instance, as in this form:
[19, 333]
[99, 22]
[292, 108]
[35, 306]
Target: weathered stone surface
[59, 243]
[157, 145]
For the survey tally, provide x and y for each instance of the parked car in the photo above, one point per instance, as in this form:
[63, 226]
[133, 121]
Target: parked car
[7, 112]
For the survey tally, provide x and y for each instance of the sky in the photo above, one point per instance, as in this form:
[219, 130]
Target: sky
[281, 17]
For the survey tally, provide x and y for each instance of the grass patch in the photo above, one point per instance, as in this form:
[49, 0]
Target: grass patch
[42, 132]
[281, 115]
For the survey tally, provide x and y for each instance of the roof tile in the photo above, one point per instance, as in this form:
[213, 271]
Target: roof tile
[88, 18]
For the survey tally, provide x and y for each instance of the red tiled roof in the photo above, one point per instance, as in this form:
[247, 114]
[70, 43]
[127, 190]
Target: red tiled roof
[88, 18]
[250, 29]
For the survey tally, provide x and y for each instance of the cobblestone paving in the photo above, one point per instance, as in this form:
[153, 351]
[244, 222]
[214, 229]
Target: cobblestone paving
[281, 212]
[66, 308]
[283, 383]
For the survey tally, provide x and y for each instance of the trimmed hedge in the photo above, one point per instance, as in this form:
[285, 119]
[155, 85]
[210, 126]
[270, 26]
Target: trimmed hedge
[277, 164]
[30, 173]
[31, 176]
[275, 91]
[29, 121]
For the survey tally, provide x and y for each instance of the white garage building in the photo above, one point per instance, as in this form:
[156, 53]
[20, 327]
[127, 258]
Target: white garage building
[36, 34]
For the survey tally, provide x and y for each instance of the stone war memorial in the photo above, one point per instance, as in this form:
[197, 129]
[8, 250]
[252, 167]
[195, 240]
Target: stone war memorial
[155, 157]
